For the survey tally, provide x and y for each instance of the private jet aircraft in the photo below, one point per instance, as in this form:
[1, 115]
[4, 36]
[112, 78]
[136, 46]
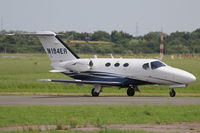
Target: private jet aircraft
[107, 72]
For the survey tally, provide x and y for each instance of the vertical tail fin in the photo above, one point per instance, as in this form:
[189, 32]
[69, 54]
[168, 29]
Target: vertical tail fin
[56, 49]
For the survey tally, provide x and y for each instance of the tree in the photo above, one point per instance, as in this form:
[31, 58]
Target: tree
[100, 36]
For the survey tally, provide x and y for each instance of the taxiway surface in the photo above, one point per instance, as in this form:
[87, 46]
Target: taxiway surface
[86, 100]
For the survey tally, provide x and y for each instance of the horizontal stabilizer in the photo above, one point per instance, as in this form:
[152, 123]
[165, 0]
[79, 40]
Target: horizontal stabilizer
[84, 82]
[38, 33]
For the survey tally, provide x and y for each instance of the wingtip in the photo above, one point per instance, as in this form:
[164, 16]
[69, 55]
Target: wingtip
[44, 80]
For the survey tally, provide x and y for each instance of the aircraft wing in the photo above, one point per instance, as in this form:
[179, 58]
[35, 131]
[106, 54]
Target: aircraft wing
[84, 82]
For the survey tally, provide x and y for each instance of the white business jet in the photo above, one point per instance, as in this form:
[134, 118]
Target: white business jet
[107, 72]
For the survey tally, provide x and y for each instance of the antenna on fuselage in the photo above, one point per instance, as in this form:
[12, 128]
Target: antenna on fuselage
[95, 56]
[111, 55]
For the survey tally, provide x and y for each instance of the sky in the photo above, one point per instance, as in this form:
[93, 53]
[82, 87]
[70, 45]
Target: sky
[106, 15]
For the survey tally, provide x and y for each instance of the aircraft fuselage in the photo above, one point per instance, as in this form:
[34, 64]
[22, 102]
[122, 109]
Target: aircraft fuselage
[127, 71]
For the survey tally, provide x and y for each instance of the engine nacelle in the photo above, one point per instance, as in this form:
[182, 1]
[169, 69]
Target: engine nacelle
[79, 65]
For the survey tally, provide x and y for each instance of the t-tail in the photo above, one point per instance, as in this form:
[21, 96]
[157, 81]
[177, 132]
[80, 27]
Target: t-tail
[56, 49]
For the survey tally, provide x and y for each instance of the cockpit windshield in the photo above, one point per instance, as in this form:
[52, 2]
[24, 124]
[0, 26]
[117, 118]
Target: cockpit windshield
[156, 64]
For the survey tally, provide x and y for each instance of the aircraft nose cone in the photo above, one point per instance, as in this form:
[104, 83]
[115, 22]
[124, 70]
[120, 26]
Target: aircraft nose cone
[192, 78]
[189, 78]
[179, 76]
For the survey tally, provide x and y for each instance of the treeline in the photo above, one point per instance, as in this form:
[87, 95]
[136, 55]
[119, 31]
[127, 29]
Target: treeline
[116, 42]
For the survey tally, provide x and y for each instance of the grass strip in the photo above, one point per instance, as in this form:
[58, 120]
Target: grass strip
[97, 115]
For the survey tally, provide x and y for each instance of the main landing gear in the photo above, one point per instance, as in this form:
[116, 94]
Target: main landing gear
[131, 90]
[94, 94]
[172, 92]
[96, 91]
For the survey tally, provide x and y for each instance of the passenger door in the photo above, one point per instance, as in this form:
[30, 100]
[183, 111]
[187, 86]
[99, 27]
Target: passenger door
[143, 71]
[146, 71]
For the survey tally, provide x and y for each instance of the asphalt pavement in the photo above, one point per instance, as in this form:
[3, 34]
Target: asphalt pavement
[10, 100]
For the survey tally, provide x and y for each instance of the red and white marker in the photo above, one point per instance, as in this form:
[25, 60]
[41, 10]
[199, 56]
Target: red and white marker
[161, 45]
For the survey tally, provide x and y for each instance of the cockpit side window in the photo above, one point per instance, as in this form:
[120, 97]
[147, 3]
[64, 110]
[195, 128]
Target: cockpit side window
[145, 66]
[156, 64]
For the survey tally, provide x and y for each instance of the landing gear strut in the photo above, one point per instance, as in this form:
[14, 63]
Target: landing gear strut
[130, 91]
[172, 93]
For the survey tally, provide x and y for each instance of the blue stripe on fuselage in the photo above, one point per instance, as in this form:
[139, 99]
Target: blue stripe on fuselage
[105, 76]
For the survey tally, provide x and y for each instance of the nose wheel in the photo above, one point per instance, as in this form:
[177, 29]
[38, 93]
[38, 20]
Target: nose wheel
[172, 93]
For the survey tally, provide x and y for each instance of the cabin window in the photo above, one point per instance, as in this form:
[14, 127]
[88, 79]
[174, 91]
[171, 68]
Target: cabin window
[117, 64]
[145, 66]
[107, 64]
[156, 64]
[126, 65]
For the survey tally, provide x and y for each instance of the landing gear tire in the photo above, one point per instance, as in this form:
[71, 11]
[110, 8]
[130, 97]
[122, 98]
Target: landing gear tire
[172, 93]
[130, 91]
[94, 94]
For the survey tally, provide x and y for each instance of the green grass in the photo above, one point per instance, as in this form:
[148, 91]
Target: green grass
[97, 115]
[19, 75]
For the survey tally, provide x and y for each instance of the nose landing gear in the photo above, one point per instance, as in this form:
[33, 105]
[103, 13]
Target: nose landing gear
[172, 92]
